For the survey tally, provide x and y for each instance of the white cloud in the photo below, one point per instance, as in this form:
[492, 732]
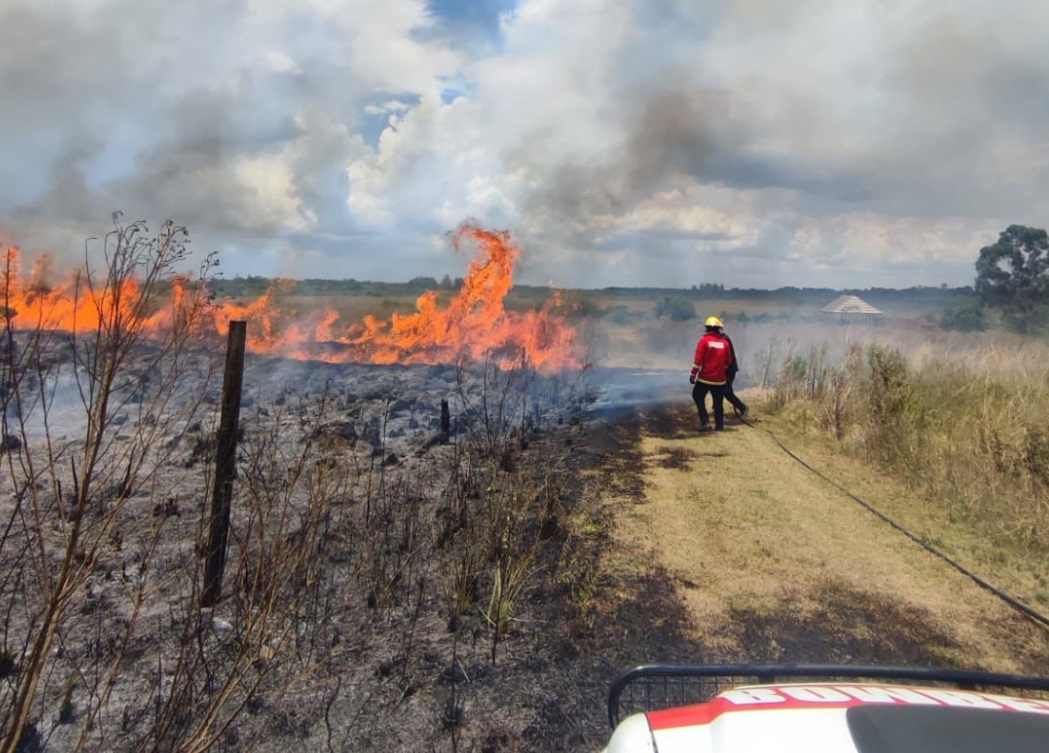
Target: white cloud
[696, 213]
[623, 141]
[281, 62]
[393, 106]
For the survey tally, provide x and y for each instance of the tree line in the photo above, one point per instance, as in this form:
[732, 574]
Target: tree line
[1011, 285]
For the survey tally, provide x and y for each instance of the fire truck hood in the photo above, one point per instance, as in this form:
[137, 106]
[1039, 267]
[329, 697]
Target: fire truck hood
[833, 718]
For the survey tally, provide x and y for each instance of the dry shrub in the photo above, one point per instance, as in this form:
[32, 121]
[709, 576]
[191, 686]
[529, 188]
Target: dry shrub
[965, 421]
[339, 563]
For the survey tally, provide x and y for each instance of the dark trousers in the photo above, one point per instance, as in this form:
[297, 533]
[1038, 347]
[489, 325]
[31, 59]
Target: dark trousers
[699, 397]
[731, 396]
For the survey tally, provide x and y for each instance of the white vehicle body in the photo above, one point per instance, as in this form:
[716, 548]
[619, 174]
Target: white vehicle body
[840, 717]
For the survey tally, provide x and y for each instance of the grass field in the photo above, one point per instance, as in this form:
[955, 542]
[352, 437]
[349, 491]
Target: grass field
[476, 592]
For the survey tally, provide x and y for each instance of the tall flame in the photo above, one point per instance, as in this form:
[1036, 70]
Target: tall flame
[474, 323]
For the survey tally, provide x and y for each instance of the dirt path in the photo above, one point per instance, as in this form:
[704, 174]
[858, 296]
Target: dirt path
[775, 564]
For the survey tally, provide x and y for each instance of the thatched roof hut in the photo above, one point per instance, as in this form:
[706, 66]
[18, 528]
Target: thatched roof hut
[850, 308]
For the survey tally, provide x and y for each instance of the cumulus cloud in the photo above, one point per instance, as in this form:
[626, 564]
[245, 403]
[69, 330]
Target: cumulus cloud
[663, 142]
[827, 139]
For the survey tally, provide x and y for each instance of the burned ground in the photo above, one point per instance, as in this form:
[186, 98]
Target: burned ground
[387, 587]
[631, 537]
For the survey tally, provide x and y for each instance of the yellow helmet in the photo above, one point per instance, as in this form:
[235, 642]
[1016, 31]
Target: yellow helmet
[713, 321]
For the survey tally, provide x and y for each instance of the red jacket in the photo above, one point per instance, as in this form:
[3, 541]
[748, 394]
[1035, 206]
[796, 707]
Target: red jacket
[713, 357]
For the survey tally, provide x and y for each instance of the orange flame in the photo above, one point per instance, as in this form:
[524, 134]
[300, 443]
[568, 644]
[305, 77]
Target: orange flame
[77, 306]
[475, 323]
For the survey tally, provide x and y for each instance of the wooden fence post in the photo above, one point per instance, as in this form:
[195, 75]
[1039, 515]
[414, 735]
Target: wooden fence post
[446, 422]
[225, 464]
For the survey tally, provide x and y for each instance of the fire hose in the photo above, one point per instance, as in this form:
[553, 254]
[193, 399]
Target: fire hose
[1012, 601]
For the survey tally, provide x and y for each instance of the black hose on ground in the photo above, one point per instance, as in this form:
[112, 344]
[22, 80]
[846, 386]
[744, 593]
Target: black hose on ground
[1012, 601]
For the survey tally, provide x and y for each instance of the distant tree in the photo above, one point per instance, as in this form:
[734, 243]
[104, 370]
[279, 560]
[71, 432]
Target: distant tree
[580, 306]
[709, 288]
[677, 309]
[622, 315]
[966, 316]
[425, 283]
[1013, 276]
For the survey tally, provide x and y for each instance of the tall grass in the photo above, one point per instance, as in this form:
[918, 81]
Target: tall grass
[967, 425]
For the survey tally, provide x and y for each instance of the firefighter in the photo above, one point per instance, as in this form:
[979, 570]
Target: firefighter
[730, 376]
[714, 358]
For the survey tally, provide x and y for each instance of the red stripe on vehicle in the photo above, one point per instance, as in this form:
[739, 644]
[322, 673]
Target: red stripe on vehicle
[793, 697]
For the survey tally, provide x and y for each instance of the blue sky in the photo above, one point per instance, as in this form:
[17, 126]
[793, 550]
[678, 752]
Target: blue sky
[476, 17]
[754, 143]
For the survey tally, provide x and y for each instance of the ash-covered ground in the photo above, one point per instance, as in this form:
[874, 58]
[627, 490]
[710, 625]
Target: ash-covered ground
[386, 586]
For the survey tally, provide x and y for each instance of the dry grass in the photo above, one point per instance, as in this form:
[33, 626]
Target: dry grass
[777, 565]
[964, 422]
[468, 598]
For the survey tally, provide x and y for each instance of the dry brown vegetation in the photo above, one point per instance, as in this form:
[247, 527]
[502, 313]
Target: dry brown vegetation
[963, 421]
[446, 598]
[775, 564]
[474, 595]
